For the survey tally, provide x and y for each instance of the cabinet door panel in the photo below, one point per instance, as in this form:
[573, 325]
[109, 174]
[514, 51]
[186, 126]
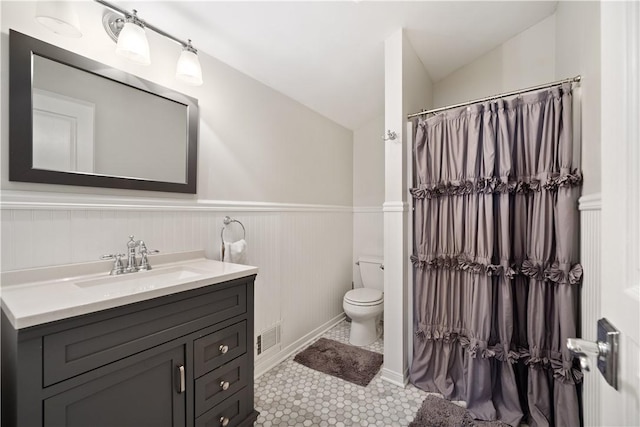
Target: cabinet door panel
[145, 393]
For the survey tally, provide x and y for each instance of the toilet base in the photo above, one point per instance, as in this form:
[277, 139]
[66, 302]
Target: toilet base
[364, 332]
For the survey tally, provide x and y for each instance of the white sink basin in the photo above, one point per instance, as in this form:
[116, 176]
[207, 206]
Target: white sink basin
[141, 281]
[41, 295]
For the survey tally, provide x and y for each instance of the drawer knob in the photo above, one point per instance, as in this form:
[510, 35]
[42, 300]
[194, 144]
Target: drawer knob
[224, 385]
[224, 348]
[224, 421]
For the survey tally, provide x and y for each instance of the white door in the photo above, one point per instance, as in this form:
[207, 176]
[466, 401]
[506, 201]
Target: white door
[63, 133]
[620, 281]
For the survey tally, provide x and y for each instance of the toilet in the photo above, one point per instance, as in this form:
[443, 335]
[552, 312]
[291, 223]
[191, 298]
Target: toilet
[364, 305]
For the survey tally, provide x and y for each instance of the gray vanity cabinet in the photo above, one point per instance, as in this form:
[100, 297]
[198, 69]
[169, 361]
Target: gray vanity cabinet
[184, 359]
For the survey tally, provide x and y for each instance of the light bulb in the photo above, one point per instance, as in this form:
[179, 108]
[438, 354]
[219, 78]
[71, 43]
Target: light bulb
[188, 68]
[132, 41]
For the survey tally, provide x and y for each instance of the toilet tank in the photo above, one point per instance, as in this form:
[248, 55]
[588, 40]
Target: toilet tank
[371, 273]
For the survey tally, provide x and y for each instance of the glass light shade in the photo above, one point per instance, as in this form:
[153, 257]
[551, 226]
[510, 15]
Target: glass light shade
[188, 68]
[133, 44]
[59, 17]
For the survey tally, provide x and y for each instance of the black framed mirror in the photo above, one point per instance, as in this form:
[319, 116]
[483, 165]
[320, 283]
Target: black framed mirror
[75, 121]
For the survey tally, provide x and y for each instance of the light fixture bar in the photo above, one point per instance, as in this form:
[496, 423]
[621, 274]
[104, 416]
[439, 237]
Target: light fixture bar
[146, 24]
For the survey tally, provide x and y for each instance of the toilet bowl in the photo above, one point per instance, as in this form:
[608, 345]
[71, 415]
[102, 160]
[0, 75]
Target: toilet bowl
[365, 305]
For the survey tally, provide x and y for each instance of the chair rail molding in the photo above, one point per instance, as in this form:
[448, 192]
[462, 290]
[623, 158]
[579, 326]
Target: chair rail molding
[76, 201]
[367, 209]
[395, 206]
[590, 202]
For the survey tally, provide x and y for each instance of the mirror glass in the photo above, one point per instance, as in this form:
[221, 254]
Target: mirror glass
[78, 122]
[84, 123]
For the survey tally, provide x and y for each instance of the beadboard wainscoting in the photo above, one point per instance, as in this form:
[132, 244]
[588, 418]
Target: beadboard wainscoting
[368, 236]
[303, 252]
[590, 207]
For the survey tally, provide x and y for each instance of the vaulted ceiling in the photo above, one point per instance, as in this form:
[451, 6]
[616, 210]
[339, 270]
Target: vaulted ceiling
[329, 56]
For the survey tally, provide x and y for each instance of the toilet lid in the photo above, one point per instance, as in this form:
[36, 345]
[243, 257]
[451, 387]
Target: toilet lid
[364, 296]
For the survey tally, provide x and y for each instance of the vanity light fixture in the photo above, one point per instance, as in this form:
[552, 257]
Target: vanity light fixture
[188, 67]
[132, 40]
[128, 31]
[59, 17]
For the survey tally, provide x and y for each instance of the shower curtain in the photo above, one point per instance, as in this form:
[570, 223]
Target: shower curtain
[496, 246]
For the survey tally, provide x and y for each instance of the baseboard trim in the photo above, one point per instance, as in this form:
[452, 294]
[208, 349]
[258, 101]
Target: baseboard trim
[268, 362]
[400, 380]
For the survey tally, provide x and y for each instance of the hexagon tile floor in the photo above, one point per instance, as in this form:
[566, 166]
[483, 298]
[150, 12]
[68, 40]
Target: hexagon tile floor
[291, 394]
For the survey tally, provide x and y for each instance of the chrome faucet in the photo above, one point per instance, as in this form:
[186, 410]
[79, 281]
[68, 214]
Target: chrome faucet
[132, 262]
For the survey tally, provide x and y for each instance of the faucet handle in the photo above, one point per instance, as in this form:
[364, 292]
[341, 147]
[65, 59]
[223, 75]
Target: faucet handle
[144, 261]
[143, 249]
[112, 256]
[117, 263]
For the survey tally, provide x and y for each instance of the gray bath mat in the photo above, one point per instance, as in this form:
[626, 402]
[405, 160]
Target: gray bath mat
[345, 361]
[437, 412]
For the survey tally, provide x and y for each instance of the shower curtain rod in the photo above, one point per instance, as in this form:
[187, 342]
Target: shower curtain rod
[575, 79]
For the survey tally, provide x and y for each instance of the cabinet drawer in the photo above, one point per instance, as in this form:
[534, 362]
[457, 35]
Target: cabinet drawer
[210, 388]
[218, 348]
[78, 350]
[236, 409]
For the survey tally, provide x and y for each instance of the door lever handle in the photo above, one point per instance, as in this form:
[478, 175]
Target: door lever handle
[582, 349]
[605, 350]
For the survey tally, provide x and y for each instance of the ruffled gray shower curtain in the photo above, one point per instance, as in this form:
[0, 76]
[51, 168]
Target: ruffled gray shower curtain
[496, 248]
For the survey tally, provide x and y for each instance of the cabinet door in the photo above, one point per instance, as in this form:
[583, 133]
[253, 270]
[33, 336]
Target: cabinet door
[144, 392]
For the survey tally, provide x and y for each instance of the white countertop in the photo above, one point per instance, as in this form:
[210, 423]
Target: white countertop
[36, 296]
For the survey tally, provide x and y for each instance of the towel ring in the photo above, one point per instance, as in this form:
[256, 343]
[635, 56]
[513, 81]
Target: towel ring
[226, 221]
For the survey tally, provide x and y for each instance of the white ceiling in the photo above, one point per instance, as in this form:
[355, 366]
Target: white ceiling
[329, 56]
